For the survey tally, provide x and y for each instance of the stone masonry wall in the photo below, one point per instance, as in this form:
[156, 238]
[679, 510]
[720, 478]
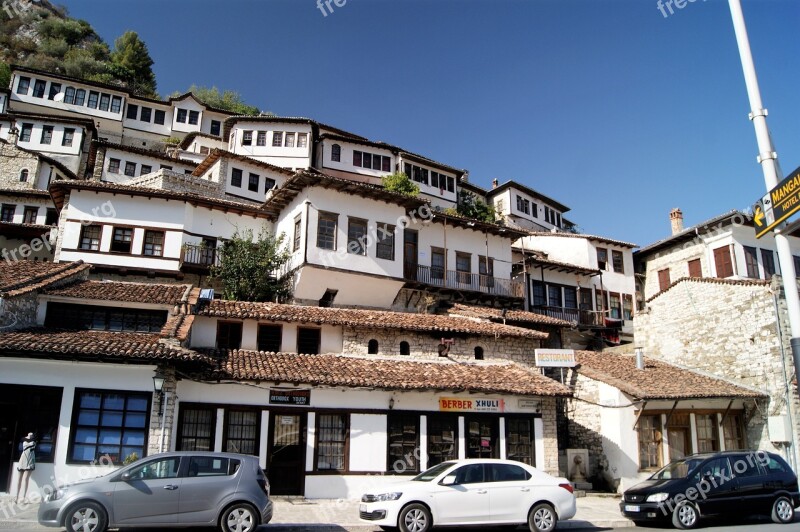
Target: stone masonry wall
[729, 329]
[12, 161]
[169, 417]
[425, 346]
[550, 435]
[676, 259]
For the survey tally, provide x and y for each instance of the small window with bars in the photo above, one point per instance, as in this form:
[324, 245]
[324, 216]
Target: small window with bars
[197, 427]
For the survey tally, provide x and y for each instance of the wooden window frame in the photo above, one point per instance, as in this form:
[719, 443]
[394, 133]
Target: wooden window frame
[664, 281]
[277, 326]
[616, 254]
[319, 342]
[83, 235]
[345, 446]
[180, 436]
[228, 323]
[145, 243]
[384, 250]
[406, 450]
[324, 216]
[695, 268]
[658, 440]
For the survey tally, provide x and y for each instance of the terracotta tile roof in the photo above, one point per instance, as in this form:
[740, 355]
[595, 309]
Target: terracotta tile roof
[394, 374]
[587, 237]
[690, 232]
[147, 153]
[188, 139]
[536, 194]
[711, 280]
[24, 192]
[376, 319]
[159, 294]
[105, 345]
[20, 277]
[303, 179]
[659, 380]
[59, 190]
[489, 313]
[477, 225]
[217, 154]
[534, 256]
[10, 229]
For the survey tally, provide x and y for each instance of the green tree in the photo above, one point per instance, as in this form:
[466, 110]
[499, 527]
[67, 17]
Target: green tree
[227, 100]
[400, 183]
[472, 206]
[134, 64]
[5, 74]
[250, 270]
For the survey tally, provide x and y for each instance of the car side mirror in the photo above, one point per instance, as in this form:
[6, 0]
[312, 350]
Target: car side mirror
[449, 480]
[126, 477]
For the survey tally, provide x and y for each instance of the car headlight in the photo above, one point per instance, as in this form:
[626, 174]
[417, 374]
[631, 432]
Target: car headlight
[56, 495]
[382, 497]
[658, 497]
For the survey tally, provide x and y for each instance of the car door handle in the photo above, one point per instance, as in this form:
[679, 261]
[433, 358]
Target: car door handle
[525, 489]
[481, 491]
[170, 487]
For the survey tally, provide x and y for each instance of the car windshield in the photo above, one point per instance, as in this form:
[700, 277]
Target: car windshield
[677, 469]
[433, 472]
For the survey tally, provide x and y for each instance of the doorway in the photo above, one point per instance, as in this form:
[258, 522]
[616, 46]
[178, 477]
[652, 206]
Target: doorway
[287, 453]
[25, 409]
[679, 436]
[410, 254]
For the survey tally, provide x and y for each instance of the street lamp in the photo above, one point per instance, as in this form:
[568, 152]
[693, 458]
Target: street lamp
[158, 387]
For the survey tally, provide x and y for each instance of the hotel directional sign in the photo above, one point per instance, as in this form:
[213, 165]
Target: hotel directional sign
[779, 204]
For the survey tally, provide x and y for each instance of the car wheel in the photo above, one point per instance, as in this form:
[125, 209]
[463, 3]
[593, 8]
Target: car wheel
[414, 518]
[86, 517]
[782, 511]
[239, 518]
[542, 518]
[685, 516]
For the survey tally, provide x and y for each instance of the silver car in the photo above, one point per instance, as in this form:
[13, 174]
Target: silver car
[177, 489]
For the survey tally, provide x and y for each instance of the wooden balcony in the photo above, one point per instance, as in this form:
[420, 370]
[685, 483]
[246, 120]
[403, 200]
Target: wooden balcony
[586, 318]
[462, 281]
[198, 258]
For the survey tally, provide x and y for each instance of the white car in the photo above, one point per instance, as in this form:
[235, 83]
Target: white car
[471, 492]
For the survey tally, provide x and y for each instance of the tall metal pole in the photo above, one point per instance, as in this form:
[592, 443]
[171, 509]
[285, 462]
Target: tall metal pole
[769, 165]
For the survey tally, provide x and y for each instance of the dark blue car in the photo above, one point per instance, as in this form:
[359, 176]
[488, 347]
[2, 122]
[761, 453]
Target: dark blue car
[704, 485]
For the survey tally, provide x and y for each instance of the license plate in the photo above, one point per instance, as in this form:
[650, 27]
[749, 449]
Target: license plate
[362, 507]
[632, 508]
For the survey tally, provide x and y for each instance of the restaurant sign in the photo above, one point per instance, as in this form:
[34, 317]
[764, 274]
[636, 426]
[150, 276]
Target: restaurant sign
[455, 404]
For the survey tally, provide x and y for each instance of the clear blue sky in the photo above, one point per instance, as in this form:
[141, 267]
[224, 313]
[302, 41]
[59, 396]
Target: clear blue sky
[605, 105]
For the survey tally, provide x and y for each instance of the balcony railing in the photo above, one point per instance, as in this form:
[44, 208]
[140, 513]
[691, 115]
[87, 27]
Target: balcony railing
[582, 317]
[199, 257]
[463, 280]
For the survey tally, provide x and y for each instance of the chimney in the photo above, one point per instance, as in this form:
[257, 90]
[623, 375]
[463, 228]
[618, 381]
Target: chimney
[639, 358]
[676, 220]
[495, 182]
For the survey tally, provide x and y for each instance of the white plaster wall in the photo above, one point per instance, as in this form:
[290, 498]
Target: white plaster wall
[345, 164]
[148, 127]
[462, 240]
[55, 146]
[367, 436]
[215, 223]
[138, 159]
[42, 204]
[190, 104]
[205, 124]
[204, 334]
[280, 156]
[58, 104]
[353, 289]
[346, 205]
[69, 376]
[243, 191]
[429, 190]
